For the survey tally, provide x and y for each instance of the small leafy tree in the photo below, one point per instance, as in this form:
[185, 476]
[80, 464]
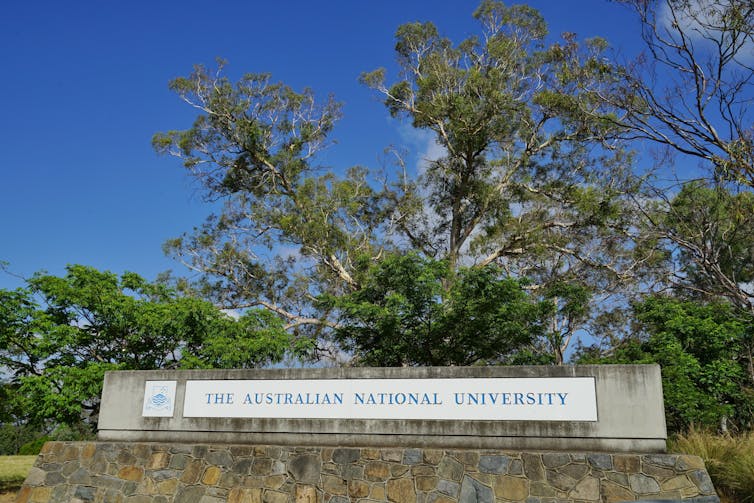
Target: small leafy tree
[59, 335]
[700, 347]
[414, 311]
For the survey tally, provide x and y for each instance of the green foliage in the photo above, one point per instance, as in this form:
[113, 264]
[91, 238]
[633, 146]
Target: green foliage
[59, 335]
[33, 447]
[714, 230]
[699, 346]
[416, 311]
[13, 436]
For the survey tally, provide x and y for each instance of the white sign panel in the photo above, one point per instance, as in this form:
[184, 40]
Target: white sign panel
[530, 399]
[159, 399]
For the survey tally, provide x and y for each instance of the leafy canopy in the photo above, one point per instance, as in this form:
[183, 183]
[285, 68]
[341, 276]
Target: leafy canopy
[525, 184]
[412, 311]
[59, 335]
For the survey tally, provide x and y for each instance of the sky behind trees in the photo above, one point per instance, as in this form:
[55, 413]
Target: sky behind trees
[85, 87]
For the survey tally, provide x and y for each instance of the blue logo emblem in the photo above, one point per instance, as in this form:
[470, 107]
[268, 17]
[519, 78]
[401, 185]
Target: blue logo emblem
[159, 400]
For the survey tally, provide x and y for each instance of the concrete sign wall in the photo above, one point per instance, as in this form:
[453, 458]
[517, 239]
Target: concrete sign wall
[617, 408]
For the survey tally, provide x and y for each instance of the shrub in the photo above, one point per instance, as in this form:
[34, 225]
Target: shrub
[32, 448]
[729, 460]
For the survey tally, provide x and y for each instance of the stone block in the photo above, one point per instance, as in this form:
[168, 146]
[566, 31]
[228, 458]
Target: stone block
[274, 481]
[24, 493]
[36, 476]
[643, 485]
[613, 493]
[433, 456]
[306, 468]
[358, 489]
[575, 471]
[627, 463]
[473, 491]
[542, 489]
[242, 466]
[412, 456]
[211, 475]
[600, 461]
[377, 492]
[261, 466]
[494, 464]
[422, 470]
[192, 472]
[190, 494]
[334, 485]
[658, 472]
[448, 487]
[401, 491]
[306, 494]
[559, 480]
[555, 459]
[370, 453]
[394, 455]
[470, 459]
[351, 471]
[618, 478]
[40, 495]
[229, 480]
[167, 487]
[70, 452]
[533, 468]
[158, 461]
[666, 460]
[702, 481]
[178, 461]
[345, 456]
[133, 473]
[511, 488]
[687, 462]
[450, 469]
[376, 471]
[440, 498]
[397, 471]
[586, 490]
[274, 497]
[426, 483]
[516, 467]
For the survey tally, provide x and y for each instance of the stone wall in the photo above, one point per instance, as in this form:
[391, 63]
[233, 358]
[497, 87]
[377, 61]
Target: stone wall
[182, 473]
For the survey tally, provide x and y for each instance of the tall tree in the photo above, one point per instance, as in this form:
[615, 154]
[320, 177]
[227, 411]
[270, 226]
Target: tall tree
[526, 183]
[693, 90]
[691, 93]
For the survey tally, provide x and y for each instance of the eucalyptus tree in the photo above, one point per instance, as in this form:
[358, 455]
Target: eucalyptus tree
[691, 93]
[526, 184]
[692, 90]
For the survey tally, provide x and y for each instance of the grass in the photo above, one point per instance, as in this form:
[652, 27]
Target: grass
[13, 470]
[729, 460]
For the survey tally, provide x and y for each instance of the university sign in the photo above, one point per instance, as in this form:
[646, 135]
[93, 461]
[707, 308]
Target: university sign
[601, 407]
[497, 399]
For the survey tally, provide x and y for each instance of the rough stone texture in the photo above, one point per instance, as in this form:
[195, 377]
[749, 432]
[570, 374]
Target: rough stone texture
[105, 472]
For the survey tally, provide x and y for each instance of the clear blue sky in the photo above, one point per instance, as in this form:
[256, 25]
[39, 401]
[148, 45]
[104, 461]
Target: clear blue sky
[84, 87]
